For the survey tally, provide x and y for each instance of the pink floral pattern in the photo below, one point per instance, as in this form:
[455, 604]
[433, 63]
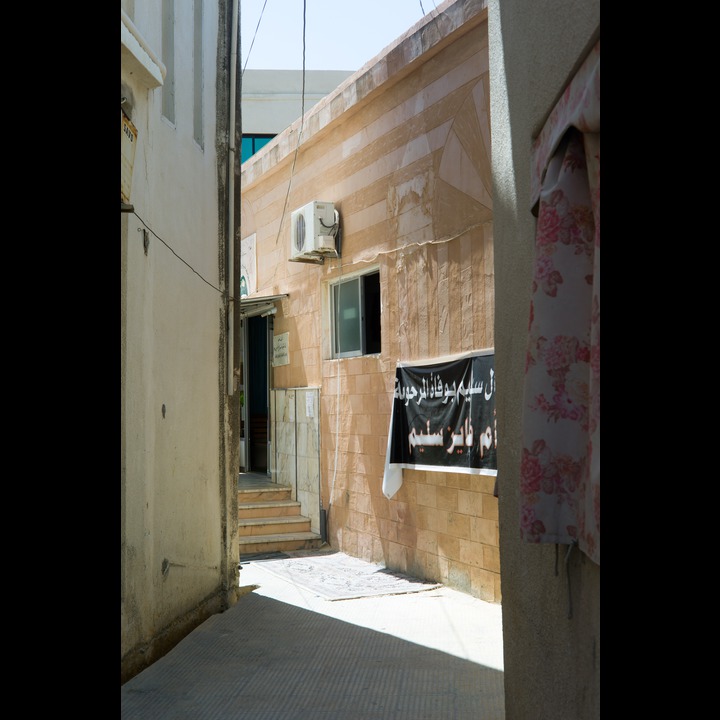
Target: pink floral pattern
[579, 107]
[560, 466]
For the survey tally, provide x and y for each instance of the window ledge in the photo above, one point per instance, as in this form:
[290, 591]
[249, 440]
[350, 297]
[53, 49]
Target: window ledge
[136, 56]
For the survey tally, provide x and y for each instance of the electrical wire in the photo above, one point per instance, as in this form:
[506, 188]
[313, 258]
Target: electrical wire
[299, 138]
[253, 40]
[337, 445]
[302, 122]
[179, 258]
[292, 171]
[439, 241]
[338, 365]
[364, 260]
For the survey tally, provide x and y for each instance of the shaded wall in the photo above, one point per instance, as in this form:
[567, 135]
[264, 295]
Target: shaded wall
[402, 150]
[552, 661]
[178, 563]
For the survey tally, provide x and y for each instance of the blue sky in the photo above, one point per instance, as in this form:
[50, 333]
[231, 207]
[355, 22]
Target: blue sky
[339, 34]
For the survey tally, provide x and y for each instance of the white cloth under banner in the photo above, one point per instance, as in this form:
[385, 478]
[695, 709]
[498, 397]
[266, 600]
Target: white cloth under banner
[442, 418]
[392, 478]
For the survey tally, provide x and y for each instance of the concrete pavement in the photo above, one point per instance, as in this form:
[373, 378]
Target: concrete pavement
[285, 653]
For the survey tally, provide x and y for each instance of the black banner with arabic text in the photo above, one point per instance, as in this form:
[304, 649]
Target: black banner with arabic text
[444, 416]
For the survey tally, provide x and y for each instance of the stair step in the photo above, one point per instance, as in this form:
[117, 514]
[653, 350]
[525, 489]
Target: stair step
[272, 525]
[281, 492]
[268, 508]
[251, 544]
[269, 520]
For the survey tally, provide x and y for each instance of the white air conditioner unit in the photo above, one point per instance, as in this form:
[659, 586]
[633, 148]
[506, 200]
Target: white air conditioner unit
[313, 231]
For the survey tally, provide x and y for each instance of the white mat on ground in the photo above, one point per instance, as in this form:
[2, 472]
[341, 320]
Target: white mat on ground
[337, 576]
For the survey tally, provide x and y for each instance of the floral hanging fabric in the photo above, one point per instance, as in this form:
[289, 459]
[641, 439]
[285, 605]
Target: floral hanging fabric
[560, 467]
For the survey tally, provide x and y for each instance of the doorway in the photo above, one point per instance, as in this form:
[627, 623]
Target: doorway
[257, 324]
[256, 416]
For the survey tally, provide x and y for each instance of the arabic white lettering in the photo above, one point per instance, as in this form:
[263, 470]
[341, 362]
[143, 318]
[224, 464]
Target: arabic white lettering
[433, 388]
[425, 438]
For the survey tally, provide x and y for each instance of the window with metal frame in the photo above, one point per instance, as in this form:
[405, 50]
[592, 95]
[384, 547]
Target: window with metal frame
[252, 143]
[355, 308]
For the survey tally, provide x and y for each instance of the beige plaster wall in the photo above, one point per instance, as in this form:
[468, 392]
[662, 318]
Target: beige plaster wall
[402, 148]
[174, 499]
[552, 661]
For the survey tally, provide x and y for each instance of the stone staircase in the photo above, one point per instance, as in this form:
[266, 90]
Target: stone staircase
[270, 521]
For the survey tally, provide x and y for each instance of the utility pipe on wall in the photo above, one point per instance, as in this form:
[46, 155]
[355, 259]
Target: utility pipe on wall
[232, 150]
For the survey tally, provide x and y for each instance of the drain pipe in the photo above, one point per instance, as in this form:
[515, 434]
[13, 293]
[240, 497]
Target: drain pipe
[232, 223]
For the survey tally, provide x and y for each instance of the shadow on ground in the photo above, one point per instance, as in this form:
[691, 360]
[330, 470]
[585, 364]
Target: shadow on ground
[268, 660]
